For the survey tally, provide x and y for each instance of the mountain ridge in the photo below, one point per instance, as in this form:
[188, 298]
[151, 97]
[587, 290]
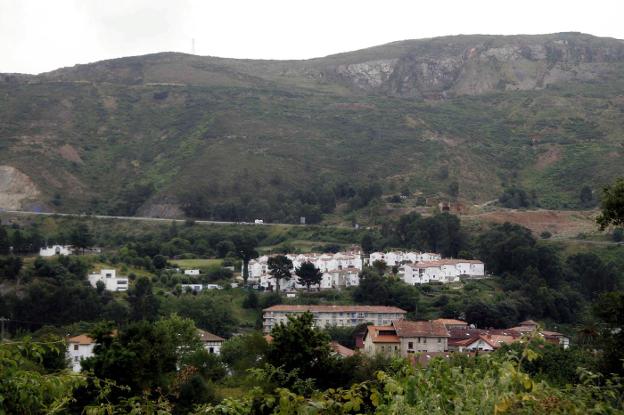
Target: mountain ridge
[206, 136]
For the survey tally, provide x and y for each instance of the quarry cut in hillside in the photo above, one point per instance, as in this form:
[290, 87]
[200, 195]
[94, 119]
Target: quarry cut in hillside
[16, 188]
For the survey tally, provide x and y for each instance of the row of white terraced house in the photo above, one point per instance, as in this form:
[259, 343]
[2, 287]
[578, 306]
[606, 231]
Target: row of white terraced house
[342, 269]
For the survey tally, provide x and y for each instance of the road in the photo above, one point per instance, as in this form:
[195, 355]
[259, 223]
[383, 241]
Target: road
[143, 218]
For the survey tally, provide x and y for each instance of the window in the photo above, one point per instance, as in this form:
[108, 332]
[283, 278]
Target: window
[439, 340]
[410, 345]
[211, 350]
[76, 347]
[76, 359]
[425, 340]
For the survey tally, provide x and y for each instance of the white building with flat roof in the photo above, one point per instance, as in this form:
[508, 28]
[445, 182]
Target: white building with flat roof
[333, 315]
[55, 250]
[110, 280]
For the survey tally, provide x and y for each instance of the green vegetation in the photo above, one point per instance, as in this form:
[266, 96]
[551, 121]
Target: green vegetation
[239, 140]
[154, 362]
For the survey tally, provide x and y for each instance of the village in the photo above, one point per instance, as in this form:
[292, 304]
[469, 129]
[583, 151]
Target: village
[384, 330]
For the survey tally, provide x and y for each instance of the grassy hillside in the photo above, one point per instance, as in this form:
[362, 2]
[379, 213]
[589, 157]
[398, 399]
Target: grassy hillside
[170, 134]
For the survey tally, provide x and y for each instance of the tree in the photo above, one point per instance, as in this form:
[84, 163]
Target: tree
[246, 250]
[143, 303]
[5, 243]
[141, 357]
[367, 243]
[80, 237]
[10, 267]
[279, 268]
[244, 352]
[609, 308]
[308, 274]
[586, 197]
[225, 247]
[453, 189]
[381, 266]
[159, 262]
[182, 333]
[612, 206]
[591, 274]
[618, 235]
[298, 346]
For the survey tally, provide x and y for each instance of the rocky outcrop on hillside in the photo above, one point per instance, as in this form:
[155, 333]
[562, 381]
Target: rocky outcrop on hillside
[480, 64]
[16, 188]
[427, 68]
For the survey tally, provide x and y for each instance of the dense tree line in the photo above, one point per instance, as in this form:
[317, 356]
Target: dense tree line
[277, 206]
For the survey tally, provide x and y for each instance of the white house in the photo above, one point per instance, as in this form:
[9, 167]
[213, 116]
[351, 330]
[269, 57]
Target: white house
[110, 280]
[200, 287]
[442, 270]
[191, 272]
[79, 348]
[393, 258]
[212, 342]
[55, 250]
[340, 278]
[192, 287]
[326, 263]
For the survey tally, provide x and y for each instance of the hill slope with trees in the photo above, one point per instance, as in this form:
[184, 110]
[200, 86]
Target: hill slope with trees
[527, 118]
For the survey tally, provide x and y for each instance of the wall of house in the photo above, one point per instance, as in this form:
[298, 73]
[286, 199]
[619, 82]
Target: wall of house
[326, 319]
[213, 347]
[77, 352]
[387, 349]
[423, 344]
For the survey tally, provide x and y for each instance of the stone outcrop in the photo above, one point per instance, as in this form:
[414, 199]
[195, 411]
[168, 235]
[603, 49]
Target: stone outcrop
[16, 188]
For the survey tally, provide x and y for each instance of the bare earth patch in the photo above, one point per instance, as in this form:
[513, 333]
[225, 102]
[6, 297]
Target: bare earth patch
[69, 153]
[550, 157]
[16, 188]
[566, 224]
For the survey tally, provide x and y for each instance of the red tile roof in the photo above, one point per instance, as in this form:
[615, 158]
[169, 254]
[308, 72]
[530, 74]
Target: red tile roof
[341, 350]
[82, 339]
[336, 308]
[451, 322]
[388, 336]
[209, 337]
[424, 328]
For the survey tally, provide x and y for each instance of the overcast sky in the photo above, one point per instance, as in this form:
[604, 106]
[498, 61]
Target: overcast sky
[41, 35]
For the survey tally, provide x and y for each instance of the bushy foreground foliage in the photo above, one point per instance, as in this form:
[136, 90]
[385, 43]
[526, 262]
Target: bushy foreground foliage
[481, 385]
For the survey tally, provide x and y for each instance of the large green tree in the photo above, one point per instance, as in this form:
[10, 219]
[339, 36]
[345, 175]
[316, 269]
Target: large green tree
[141, 356]
[299, 346]
[246, 250]
[308, 274]
[144, 304]
[612, 206]
[279, 268]
[80, 237]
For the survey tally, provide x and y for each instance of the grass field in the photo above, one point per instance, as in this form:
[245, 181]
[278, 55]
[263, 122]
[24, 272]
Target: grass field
[197, 263]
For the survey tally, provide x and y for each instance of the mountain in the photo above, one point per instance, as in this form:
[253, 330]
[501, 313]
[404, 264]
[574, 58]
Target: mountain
[170, 134]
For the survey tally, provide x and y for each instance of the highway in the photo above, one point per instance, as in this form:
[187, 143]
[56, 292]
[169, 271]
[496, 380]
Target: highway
[143, 218]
